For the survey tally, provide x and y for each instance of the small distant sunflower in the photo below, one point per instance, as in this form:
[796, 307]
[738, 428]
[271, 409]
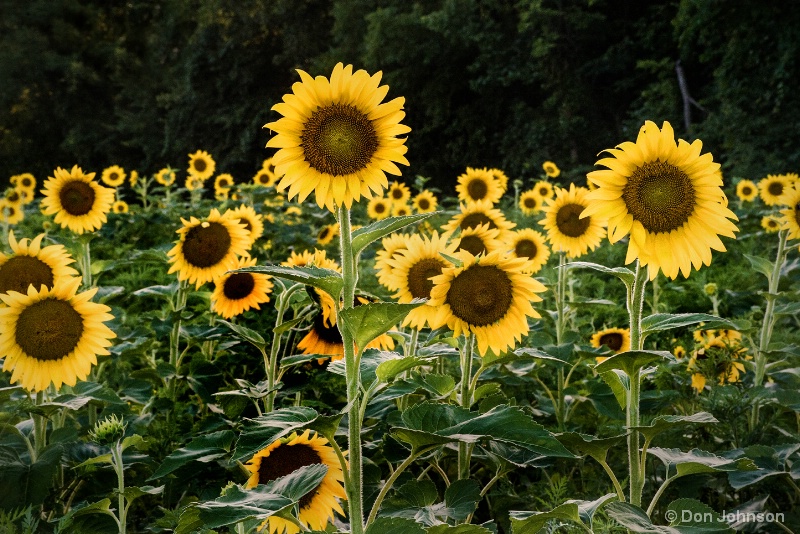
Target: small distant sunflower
[566, 230]
[474, 214]
[268, 165]
[679, 352]
[223, 181]
[113, 176]
[24, 181]
[543, 189]
[14, 196]
[119, 206]
[251, 220]
[410, 272]
[201, 165]
[790, 219]
[719, 357]
[11, 212]
[165, 177]
[133, 179]
[264, 178]
[551, 169]
[52, 335]
[773, 188]
[393, 244]
[500, 178]
[318, 258]
[746, 190]
[667, 196]
[222, 195]
[193, 183]
[530, 203]
[770, 223]
[379, 208]
[425, 202]
[401, 210]
[479, 240]
[476, 185]
[530, 245]
[398, 193]
[336, 138]
[30, 264]
[488, 296]
[208, 248]
[78, 202]
[327, 233]
[235, 293]
[287, 455]
[616, 339]
[25, 195]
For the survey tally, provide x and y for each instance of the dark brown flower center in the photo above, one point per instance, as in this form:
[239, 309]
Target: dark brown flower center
[612, 340]
[238, 286]
[338, 139]
[77, 197]
[476, 219]
[323, 234]
[49, 329]
[26, 182]
[747, 190]
[285, 460]
[328, 334]
[472, 244]
[200, 165]
[569, 222]
[113, 177]
[206, 244]
[477, 189]
[397, 193]
[525, 248]
[660, 196]
[423, 204]
[480, 295]
[543, 191]
[247, 225]
[379, 207]
[775, 188]
[19, 272]
[419, 277]
[13, 196]
[797, 213]
[529, 203]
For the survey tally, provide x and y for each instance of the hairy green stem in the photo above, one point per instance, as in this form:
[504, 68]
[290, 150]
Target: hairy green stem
[175, 334]
[122, 511]
[271, 361]
[466, 402]
[632, 417]
[86, 261]
[561, 321]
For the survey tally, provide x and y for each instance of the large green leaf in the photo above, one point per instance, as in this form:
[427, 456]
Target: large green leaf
[461, 498]
[697, 461]
[83, 393]
[378, 229]
[201, 449]
[394, 525]
[623, 273]
[247, 334]
[259, 432]
[386, 371]
[417, 500]
[761, 265]
[633, 360]
[458, 529]
[368, 321]
[325, 279]
[771, 462]
[532, 522]
[595, 447]
[665, 422]
[23, 483]
[686, 516]
[667, 321]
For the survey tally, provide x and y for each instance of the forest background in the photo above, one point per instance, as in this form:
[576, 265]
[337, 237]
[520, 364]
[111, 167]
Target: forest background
[500, 83]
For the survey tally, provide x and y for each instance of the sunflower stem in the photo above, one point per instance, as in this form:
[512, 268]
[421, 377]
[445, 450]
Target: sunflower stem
[175, 334]
[86, 260]
[271, 361]
[39, 429]
[632, 416]
[119, 468]
[466, 401]
[560, 405]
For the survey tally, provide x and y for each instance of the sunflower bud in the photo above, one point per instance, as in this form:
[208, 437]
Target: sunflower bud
[108, 431]
[710, 289]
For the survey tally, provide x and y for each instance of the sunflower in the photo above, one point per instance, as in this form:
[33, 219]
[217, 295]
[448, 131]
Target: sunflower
[336, 138]
[222, 195]
[401, 210]
[113, 176]
[13, 196]
[476, 185]
[11, 212]
[283, 457]
[25, 195]
[488, 296]
[31, 264]
[119, 206]
[193, 183]
[251, 220]
[264, 177]
[679, 352]
[24, 181]
[566, 230]
[235, 293]
[78, 202]
[133, 179]
[425, 202]
[773, 188]
[479, 240]
[379, 208]
[474, 214]
[746, 190]
[165, 177]
[719, 357]
[790, 219]
[393, 244]
[543, 189]
[52, 335]
[327, 233]
[318, 258]
[398, 193]
[551, 169]
[410, 272]
[530, 245]
[223, 181]
[667, 196]
[530, 203]
[500, 179]
[206, 249]
[770, 223]
[616, 339]
[201, 165]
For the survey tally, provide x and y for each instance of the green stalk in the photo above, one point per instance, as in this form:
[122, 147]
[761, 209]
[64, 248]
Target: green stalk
[561, 321]
[271, 361]
[86, 261]
[175, 334]
[355, 494]
[39, 430]
[122, 512]
[466, 402]
[632, 417]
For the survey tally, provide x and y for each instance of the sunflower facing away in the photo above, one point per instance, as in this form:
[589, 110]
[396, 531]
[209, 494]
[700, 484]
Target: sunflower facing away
[336, 138]
[476, 185]
[479, 240]
[488, 296]
[393, 244]
[251, 220]
[773, 188]
[78, 202]
[746, 190]
[667, 196]
[551, 169]
[208, 248]
[425, 202]
[379, 208]
[474, 214]
[165, 177]
[201, 165]
[530, 245]
[32, 264]
[566, 230]
[113, 176]
[283, 457]
[235, 293]
[398, 192]
[616, 339]
[52, 335]
[530, 202]
[133, 179]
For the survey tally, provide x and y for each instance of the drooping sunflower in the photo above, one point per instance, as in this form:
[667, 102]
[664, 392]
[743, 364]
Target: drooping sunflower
[543, 189]
[773, 188]
[165, 176]
[479, 240]
[392, 245]
[113, 176]
[251, 220]
[78, 202]
[616, 339]
[318, 258]
[529, 244]
[474, 214]
[398, 193]
[327, 233]
[25, 195]
[336, 138]
[379, 208]
[667, 196]
[551, 169]
[235, 293]
[489, 296]
[13, 195]
[530, 203]
[208, 248]
[24, 181]
[264, 177]
[476, 185]
[410, 272]
[201, 165]
[790, 217]
[500, 178]
[52, 335]
[425, 202]
[746, 190]
[566, 230]
[770, 223]
[119, 206]
[193, 183]
[31, 264]
[11, 212]
[223, 181]
[283, 457]
[401, 210]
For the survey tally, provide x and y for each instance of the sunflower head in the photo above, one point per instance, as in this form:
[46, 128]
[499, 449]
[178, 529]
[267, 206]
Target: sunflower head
[774, 188]
[770, 223]
[616, 339]
[327, 233]
[119, 206]
[746, 190]
[133, 179]
[33, 265]
[264, 177]
[479, 240]
[401, 210]
[110, 430]
[78, 202]
[476, 185]
[113, 176]
[530, 202]
[392, 245]
[790, 217]
[379, 208]
[201, 165]
[318, 258]
[474, 214]
[398, 193]
[235, 293]
[500, 178]
[544, 189]
[166, 176]
[223, 181]
[425, 202]
[567, 230]
[24, 181]
[551, 169]
[530, 245]
[11, 212]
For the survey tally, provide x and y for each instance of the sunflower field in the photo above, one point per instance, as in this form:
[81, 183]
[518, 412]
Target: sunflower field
[330, 343]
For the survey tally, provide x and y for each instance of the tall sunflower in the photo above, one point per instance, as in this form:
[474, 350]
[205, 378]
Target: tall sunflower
[208, 248]
[551, 169]
[235, 293]
[52, 335]
[476, 185]
[529, 244]
[489, 296]
[398, 193]
[379, 208]
[773, 188]
[30, 264]
[425, 202]
[165, 176]
[667, 196]
[530, 202]
[393, 244]
[566, 230]
[78, 202]
[283, 457]
[479, 240]
[336, 138]
[616, 339]
[201, 165]
[543, 189]
[474, 214]
[251, 220]
[746, 190]
[790, 217]
[113, 176]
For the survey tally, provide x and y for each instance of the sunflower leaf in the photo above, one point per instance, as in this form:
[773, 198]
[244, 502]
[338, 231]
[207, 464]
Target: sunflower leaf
[325, 279]
[593, 446]
[667, 321]
[259, 432]
[698, 461]
[368, 321]
[394, 525]
[682, 513]
[458, 529]
[201, 449]
[532, 522]
[379, 229]
[665, 422]
[623, 273]
[631, 361]
[251, 336]
[762, 265]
